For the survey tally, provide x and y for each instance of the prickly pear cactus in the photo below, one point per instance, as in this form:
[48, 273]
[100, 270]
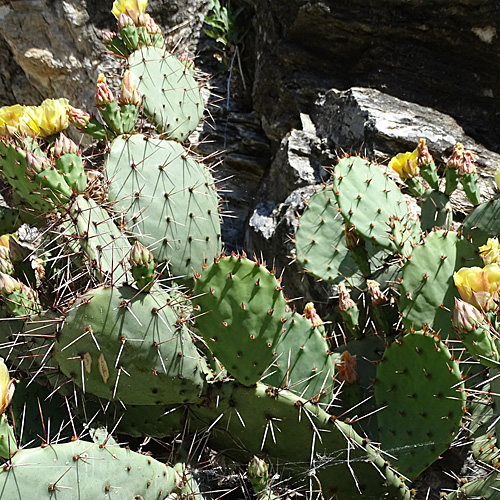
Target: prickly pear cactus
[418, 380]
[427, 290]
[240, 312]
[120, 343]
[172, 98]
[167, 200]
[83, 469]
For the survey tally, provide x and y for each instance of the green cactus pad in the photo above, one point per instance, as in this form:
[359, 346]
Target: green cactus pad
[320, 240]
[131, 346]
[437, 211]
[167, 199]
[419, 392]
[92, 230]
[13, 165]
[371, 202]
[240, 313]
[304, 364]
[83, 470]
[483, 222]
[172, 98]
[10, 220]
[486, 488]
[427, 290]
[298, 436]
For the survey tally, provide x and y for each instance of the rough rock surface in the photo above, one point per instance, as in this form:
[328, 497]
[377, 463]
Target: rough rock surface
[436, 53]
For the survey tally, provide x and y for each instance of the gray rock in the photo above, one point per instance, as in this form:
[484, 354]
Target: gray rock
[436, 53]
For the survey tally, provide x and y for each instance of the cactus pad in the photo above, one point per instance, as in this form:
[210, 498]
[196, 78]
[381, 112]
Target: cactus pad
[167, 199]
[304, 364]
[172, 99]
[240, 313]
[320, 240]
[419, 392]
[371, 202]
[427, 290]
[82, 469]
[118, 342]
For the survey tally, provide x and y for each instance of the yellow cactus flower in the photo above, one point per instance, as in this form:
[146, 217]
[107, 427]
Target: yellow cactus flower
[50, 117]
[497, 176]
[478, 286]
[490, 252]
[132, 8]
[405, 164]
[6, 387]
[44, 120]
[13, 120]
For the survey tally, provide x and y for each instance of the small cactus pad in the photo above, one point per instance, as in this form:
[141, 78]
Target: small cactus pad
[240, 313]
[83, 470]
[485, 488]
[168, 201]
[304, 364]
[419, 392]
[427, 290]
[118, 342]
[172, 98]
[92, 230]
[483, 222]
[371, 202]
[321, 240]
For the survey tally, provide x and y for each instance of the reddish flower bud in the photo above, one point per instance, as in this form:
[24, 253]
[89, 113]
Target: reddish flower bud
[129, 93]
[78, 118]
[64, 145]
[311, 314]
[103, 94]
[466, 317]
[424, 157]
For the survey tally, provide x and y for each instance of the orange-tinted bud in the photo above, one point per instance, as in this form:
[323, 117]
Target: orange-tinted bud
[311, 314]
[346, 368]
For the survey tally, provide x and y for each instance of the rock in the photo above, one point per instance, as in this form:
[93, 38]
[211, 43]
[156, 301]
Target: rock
[435, 53]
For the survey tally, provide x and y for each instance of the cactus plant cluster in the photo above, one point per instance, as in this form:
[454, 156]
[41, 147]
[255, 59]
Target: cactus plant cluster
[128, 313]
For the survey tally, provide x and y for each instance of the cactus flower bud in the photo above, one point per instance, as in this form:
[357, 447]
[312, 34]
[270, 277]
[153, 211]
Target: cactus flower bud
[490, 252]
[124, 21]
[466, 317]
[129, 93]
[108, 36]
[456, 158]
[311, 314]
[8, 285]
[467, 166]
[424, 157]
[258, 473]
[7, 386]
[346, 368]
[36, 164]
[103, 94]
[151, 27]
[78, 118]
[479, 286]
[64, 145]
[140, 255]
[345, 301]
[378, 298]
